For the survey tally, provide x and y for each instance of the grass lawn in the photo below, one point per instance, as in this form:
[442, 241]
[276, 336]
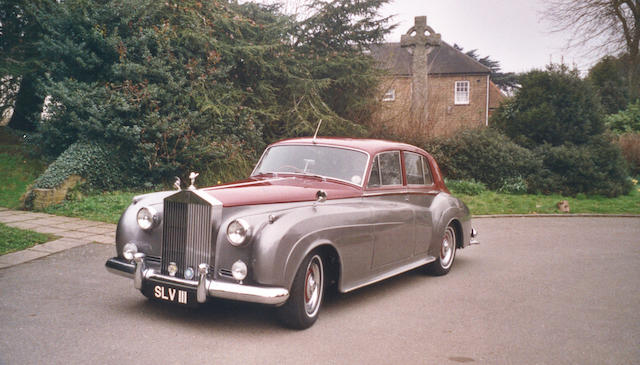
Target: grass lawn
[14, 239]
[18, 170]
[105, 207]
[490, 202]
[108, 207]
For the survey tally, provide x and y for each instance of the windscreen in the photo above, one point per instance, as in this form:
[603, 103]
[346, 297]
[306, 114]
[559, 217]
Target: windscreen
[331, 162]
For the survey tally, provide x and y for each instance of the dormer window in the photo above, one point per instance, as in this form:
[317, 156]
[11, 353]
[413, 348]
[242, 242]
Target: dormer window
[390, 95]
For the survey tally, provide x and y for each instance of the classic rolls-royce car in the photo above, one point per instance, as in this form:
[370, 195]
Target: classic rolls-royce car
[313, 213]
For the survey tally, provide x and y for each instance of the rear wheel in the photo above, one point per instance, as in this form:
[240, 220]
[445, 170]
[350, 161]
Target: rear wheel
[447, 253]
[302, 308]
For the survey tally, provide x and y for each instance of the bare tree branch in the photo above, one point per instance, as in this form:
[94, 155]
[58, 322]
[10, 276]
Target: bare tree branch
[603, 27]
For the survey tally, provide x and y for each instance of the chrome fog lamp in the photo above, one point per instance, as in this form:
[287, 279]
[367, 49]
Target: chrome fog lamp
[239, 270]
[172, 269]
[129, 250]
[237, 232]
[147, 218]
[188, 273]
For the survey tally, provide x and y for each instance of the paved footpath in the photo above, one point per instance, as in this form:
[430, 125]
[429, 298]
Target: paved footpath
[72, 232]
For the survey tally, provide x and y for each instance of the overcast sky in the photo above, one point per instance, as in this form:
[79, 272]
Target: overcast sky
[510, 31]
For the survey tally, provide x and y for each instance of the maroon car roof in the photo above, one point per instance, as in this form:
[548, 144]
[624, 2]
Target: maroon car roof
[372, 146]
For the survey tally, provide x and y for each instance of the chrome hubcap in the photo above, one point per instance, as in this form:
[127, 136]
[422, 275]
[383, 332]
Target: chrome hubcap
[313, 286]
[448, 249]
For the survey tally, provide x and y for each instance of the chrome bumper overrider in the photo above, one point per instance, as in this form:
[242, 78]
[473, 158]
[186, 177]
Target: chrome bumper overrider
[474, 237]
[204, 286]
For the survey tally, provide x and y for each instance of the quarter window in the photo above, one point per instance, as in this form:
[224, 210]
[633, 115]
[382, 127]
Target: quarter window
[413, 167]
[428, 179]
[462, 92]
[386, 170]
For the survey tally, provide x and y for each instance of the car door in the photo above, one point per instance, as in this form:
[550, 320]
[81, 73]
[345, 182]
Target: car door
[394, 239]
[420, 194]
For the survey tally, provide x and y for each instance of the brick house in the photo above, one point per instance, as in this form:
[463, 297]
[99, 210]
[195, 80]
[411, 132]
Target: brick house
[459, 92]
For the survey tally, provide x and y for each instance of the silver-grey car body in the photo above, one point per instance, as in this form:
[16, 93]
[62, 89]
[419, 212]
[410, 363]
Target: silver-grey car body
[314, 212]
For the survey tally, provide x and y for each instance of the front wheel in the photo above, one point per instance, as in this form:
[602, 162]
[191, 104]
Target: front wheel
[302, 308]
[443, 263]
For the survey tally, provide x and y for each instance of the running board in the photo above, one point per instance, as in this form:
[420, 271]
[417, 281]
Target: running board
[387, 274]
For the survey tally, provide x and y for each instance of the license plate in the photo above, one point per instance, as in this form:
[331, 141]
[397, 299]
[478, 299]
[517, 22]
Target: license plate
[173, 294]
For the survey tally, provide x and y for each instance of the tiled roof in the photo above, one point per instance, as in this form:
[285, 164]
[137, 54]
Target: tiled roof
[442, 60]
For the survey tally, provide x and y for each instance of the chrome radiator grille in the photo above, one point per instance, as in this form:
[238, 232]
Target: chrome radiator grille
[187, 232]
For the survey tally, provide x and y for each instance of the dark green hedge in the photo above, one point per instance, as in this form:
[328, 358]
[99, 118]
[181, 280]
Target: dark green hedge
[484, 155]
[593, 168]
[489, 157]
[97, 164]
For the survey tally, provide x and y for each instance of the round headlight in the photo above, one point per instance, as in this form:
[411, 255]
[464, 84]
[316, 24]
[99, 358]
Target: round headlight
[172, 269]
[239, 270]
[147, 218]
[129, 250]
[188, 273]
[237, 232]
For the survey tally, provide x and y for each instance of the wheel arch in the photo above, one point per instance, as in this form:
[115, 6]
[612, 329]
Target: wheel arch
[331, 260]
[457, 226]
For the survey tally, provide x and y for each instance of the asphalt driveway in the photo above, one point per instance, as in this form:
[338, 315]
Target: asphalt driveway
[536, 291]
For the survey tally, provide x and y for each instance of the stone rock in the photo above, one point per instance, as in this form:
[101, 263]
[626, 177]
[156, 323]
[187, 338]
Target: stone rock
[563, 206]
[42, 198]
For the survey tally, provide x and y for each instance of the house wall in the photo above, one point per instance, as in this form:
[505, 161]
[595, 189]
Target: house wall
[445, 117]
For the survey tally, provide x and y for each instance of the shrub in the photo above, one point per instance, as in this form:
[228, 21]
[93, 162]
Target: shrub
[609, 76]
[513, 185]
[484, 155]
[630, 145]
[595, 168]
[465, 187]
[100, 167]
[625, 121]
[554, 106]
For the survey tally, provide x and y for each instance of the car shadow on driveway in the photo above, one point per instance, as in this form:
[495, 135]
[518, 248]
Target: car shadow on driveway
[414, 280]
[241, 317]
[215, 313]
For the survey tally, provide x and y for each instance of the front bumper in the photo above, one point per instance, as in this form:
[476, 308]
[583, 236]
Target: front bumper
[204, 286]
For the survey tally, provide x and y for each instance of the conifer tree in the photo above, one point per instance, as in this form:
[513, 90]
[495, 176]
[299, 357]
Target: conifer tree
[190, 85]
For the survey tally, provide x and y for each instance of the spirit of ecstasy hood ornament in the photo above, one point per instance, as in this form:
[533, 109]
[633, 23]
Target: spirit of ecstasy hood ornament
[193, 176]
[177, 184]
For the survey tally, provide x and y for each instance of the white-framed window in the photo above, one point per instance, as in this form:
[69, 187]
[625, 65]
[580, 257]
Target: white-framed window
[390, 95]
[461, 91]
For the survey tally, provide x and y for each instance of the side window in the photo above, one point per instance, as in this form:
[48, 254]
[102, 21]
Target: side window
[428, 179]
[386, 170]
[413, 165]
